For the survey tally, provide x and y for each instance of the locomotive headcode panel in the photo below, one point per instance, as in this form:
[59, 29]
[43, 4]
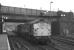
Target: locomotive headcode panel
[42, 29]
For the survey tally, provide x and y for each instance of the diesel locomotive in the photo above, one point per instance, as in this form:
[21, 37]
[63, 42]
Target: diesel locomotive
[38, 32]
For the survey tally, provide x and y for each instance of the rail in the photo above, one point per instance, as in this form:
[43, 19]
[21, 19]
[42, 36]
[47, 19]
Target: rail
[62, 44]
[16, 44]
[64, 40]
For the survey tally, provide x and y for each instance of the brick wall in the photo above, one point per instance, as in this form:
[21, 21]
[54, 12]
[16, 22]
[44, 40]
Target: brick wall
[67, 25]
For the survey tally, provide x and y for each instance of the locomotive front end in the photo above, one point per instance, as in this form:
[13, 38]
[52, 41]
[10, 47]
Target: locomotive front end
[42, 31]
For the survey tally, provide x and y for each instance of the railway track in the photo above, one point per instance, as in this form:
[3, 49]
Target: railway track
[47, 48]
[63, 44]
[17, 43]
[67, 38]
[66, 41]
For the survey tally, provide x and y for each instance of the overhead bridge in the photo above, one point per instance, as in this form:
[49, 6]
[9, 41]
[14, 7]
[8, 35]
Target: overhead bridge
[6, 10]
[16, 13]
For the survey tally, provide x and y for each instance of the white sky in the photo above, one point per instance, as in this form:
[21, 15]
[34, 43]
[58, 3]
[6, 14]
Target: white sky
[65, 5]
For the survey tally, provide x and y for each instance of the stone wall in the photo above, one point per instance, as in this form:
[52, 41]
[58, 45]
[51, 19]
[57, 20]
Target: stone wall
[7, 26]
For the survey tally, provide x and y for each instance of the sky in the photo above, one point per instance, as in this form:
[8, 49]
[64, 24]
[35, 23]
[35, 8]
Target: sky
[64, 5]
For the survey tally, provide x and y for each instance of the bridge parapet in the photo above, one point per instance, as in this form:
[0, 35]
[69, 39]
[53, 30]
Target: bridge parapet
[25, 11]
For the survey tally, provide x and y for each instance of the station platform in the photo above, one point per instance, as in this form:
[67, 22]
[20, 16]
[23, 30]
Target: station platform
[4, 43]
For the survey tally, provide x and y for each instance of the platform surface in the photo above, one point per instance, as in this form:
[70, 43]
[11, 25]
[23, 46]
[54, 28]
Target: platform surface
[4, 43]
